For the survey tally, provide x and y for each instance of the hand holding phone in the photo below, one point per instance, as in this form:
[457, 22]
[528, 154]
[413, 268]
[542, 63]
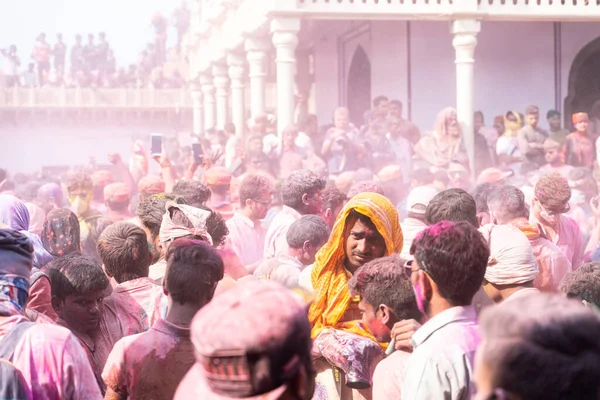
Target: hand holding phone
[156, 145]
[198, 153]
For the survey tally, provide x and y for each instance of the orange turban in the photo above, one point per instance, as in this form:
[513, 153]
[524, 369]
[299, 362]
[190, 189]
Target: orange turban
[330, 278]
[579, 117]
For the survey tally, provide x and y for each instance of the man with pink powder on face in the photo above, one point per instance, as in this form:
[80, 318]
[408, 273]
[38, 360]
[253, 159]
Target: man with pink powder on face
[450, 259]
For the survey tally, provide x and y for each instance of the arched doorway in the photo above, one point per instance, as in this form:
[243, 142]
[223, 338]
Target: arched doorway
[359, 86]
[584, 82]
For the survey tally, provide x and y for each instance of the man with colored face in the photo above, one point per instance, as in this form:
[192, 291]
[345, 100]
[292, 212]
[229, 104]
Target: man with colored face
[551, 202]
[555, 160]
[387, 303]
[556, 130]
[450, 259]
[90, 220]
[78, 290]
[366, 229]
[42, 347]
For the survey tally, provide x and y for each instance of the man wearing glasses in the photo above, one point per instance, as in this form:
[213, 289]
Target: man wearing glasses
[450, 259]
[246, 233]
[551, 201]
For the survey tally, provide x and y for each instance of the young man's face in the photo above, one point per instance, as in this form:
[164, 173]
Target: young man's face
[260, 207]
[478, 122]
[551, 155]
[554, 122]
[372, 319]
[82, 312]
[383, 108]
[363, 244]
[533, 119]
[396, 110]
[582, 126]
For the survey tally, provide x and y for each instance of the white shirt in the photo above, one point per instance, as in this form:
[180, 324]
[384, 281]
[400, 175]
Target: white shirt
[283, 269]
[246, 238]
[411, 227]
[441, 366]
[276, 241]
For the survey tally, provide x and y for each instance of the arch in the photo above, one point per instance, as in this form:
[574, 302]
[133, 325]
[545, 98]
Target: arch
[359, 85]
[584, 81]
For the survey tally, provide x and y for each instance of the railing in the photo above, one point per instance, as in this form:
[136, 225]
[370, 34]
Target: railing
[117, 98]
[245, 14]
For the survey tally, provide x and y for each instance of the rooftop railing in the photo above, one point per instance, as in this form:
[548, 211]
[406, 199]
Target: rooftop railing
[117, 98]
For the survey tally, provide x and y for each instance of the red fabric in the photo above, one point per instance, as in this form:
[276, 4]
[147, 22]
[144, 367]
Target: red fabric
[40, 298]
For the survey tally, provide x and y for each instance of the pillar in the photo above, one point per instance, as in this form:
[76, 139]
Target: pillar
[285, 38]
[221, 80]
[236, 75]
[464, 42]
[198, 110]
[208, 93]
[257, 52]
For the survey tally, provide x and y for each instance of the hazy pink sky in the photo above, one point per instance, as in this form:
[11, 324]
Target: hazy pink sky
[126, 23]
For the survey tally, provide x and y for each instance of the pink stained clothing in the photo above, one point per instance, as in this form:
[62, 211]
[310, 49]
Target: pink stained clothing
[282, 268]
[133, 307]
[520, 294]
[40, 298]
[441, 365]
[568, 239]
[96, 347]
[53, 364]
[388, 377]
[275, 240]
[552, 263]
[150, 365]
[246, 238]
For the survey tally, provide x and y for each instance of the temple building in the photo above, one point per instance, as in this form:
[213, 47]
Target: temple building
[488, 55]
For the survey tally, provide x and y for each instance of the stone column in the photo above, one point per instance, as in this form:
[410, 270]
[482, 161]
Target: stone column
[257, 52]
[208, 93]
[285, 38]
[464, 42]
[221, 79]
[237, 64]
[198, 110]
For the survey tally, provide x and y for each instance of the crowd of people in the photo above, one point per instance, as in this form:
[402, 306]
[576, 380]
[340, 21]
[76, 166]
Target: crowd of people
[93, 64]
[320, 263]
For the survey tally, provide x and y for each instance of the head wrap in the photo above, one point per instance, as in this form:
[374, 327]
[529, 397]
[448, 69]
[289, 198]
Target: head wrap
[37, 217]
[579, 117]
[511, 128]
[197, 216]
[330, 278]
[15, 214]
[61, 234]
[51, 191]
[511, 259]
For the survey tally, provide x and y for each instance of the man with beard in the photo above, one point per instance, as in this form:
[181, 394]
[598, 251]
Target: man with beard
[531, 137]
[367, 228]
[551, 202]
[246, 233]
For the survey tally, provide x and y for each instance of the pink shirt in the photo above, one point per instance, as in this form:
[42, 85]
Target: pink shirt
[150, 364]
[389, 376]
[53, 364]
[568, 239]
[246, 238]
[275, 241]
[134, 307]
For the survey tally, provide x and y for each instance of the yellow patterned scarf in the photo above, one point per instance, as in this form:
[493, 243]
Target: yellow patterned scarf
[330, 278]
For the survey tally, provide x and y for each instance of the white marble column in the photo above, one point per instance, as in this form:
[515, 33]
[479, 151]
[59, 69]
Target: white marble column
[237, 64]
[257, 53]
[208, 93]
[285, 38]
[198, 110]
[221, 80]
[465, 40]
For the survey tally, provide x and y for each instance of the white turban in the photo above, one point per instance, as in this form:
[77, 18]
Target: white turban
[511, 257]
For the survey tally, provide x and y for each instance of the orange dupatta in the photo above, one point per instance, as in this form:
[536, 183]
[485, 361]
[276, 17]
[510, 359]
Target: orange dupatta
[330, 277]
